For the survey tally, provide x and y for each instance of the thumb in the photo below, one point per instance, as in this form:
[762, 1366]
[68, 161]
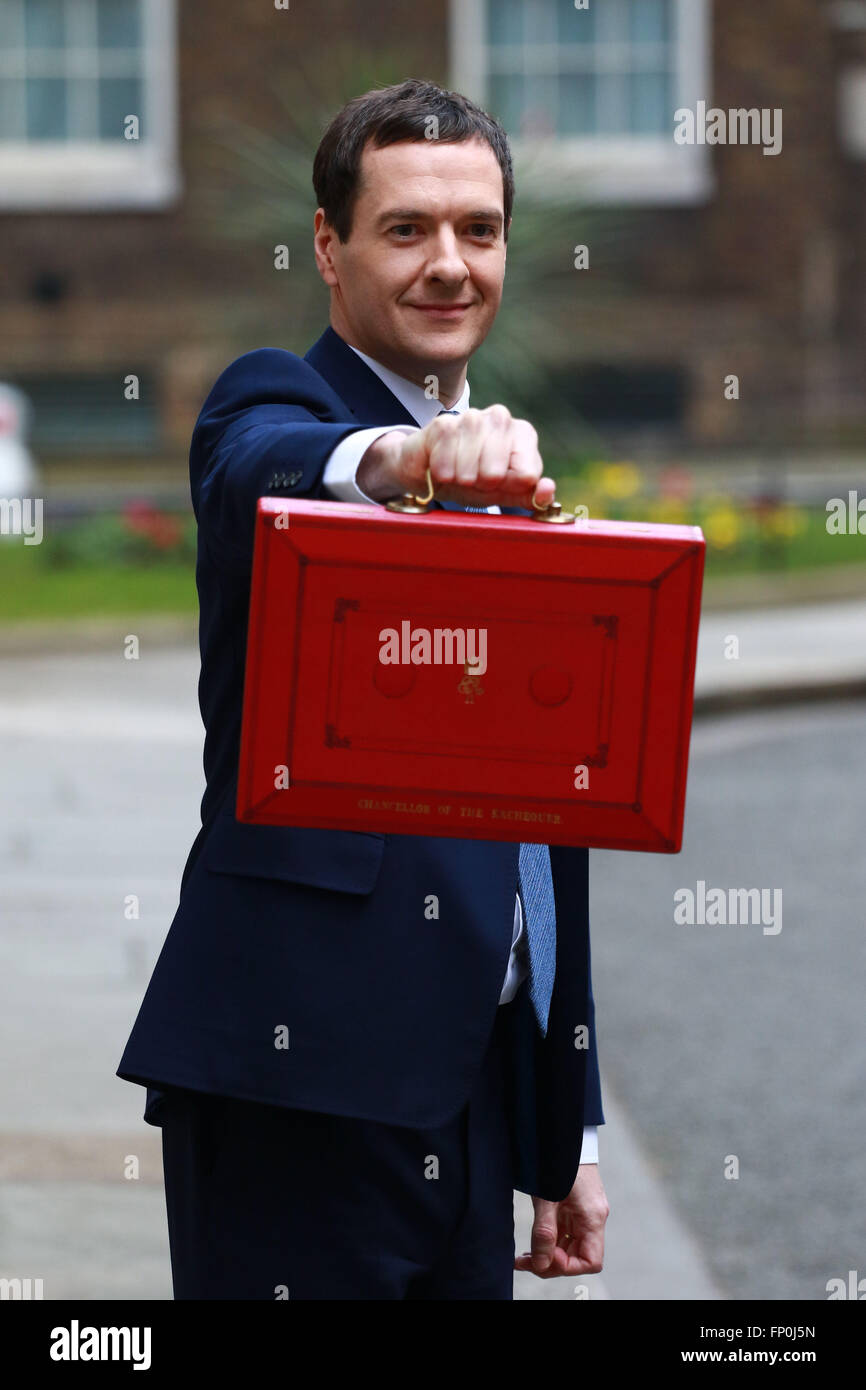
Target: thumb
[544, 1232]
[539, 494]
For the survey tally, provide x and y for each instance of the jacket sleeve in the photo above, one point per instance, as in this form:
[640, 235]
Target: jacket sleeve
[593, 1113]
[267, 428]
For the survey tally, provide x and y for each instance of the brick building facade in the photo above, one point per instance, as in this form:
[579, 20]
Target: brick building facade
[736, 262]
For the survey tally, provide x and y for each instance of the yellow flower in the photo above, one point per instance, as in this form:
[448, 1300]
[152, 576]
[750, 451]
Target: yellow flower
[787, 521]
[722, 527]
[619, 479]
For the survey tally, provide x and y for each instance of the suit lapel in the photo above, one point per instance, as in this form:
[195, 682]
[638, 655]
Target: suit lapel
[365, 395]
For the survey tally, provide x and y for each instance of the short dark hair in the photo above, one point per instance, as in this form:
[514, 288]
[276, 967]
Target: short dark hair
[386, 116]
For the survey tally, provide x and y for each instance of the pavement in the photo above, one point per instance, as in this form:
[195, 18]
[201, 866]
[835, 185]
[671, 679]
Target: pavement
[781, 654]
[85, 737]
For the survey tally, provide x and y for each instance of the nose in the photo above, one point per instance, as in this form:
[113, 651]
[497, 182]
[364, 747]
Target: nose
[446, 263]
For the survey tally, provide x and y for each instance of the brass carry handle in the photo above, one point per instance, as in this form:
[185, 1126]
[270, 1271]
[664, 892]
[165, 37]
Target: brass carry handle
[414, 505]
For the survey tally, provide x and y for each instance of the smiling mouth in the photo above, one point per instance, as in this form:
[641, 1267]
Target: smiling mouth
[441, 310]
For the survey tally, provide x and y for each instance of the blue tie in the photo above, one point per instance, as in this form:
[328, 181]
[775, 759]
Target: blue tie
[535, 881]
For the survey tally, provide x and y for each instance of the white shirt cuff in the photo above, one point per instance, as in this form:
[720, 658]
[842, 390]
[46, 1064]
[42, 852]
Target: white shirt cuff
[589, 1149]
[342, 465]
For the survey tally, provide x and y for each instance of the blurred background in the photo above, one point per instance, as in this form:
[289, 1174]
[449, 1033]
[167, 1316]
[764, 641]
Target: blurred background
[684, 323]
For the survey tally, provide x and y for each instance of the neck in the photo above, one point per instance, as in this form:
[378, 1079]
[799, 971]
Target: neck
[451, 377]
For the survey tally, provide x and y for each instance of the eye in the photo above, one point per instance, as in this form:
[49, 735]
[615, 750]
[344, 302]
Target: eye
[481, 229]
[404, 227]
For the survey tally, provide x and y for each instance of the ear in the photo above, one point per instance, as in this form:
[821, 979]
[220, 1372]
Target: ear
[324, 238]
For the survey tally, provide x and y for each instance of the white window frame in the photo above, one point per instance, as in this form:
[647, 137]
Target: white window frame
[49, 175]
[648, 170]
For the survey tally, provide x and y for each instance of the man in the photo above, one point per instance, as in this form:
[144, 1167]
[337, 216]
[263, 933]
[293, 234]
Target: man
[349, 1091]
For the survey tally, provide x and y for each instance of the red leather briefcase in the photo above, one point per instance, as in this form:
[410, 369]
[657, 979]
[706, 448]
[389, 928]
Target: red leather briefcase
[471, 675]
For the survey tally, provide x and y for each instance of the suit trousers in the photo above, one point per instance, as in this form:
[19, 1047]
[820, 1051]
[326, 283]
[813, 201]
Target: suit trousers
[268, 1202]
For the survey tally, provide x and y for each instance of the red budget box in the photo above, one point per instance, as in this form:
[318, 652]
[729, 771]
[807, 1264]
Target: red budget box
[471, 675]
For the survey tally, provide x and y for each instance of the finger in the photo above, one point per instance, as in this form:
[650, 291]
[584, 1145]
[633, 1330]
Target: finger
[577, 1265]
[585, 1252]
[468, 446]
[574, 1252]
[496, 445]
[560, 1264]
[589, 1253]
[442, 441]
[525, 466]
[524, 459]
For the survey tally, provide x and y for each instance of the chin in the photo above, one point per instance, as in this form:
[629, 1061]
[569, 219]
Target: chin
[444, 346]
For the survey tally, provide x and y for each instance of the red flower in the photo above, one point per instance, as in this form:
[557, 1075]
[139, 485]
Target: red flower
[143, 519]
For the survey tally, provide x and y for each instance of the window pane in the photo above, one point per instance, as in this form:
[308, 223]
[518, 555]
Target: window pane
[651, 103]
[505, 21]
[614, 115]
[45, 23]
[538, 116]
[85, 414]
[613, 20]
[575, 26]
[10, 32]
[649, 21]
[11, 109]
[119, 97]
[525, 105]
[577, 109]
[118, 23]
[46, 108]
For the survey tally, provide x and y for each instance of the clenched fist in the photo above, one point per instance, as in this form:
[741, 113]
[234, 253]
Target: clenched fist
[481, 458]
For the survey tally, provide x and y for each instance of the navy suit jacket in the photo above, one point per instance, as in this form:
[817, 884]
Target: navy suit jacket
[323, 932]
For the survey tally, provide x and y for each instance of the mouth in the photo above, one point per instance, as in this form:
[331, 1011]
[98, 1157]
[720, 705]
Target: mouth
[442, 311]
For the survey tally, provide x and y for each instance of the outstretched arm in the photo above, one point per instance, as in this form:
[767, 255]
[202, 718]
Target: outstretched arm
[267, 428]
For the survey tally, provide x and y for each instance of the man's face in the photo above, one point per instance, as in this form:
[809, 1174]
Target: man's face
[419, 281]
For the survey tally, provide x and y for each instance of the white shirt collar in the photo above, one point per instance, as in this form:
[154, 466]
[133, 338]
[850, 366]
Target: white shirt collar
[419, 405]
